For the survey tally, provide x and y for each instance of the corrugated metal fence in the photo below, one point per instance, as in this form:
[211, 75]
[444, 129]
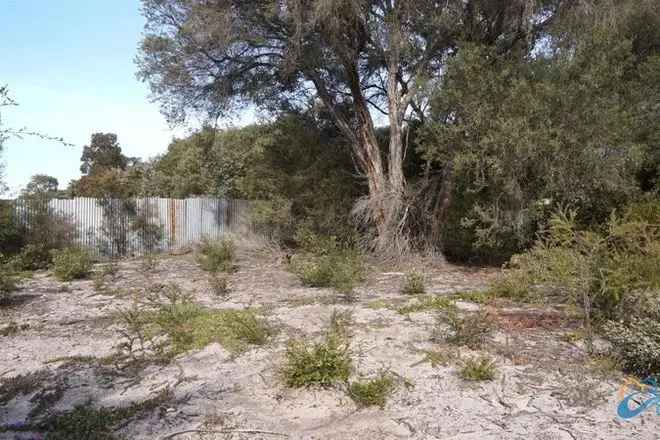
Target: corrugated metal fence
[114, 227]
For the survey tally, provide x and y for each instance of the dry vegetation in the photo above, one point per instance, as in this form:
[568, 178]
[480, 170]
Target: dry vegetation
[147, 348]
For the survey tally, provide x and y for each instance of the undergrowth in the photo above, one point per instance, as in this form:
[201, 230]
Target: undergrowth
[470, 329]
[171, 324]
[374, 392]
[71, 263]
[322, 363]
[217, 256]
[478, 369]
[341, 270]
[611, 273]
[414, 283]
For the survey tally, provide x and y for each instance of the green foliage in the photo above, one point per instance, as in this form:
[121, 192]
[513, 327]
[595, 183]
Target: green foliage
[518, 135]
[188, 326]
[321, 363]
[636, 345]
[341, 270]
[71, 263]
[84, 422]
[425, 304]
[478, 369]
[216, 256]
[470, 329]
[413, 283]
[599, 267]
[374, 392]
[7, 286]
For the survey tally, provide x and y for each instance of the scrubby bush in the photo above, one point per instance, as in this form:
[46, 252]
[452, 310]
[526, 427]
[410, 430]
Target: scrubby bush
[636, 345]
[71, 263]
[478, 369]
[374, 392]
[595, 269]
[174, 324]
[47, 230]
[470, 330]
[216, 256]
[322, 363]
[341, 270]
[413, 283]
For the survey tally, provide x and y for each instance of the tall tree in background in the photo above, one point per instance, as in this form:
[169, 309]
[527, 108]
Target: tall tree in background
[357, 57]
[41, 186]
[101, 154]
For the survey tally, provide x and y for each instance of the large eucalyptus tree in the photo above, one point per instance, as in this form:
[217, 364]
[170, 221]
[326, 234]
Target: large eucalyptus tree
[358, 58]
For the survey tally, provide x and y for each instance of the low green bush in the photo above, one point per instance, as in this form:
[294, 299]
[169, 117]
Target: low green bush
[479, 369]
[216, 256]
[71, 263]
[374, 392]
[341, 270]
[413, 283]
[322, 363]
[470, 329]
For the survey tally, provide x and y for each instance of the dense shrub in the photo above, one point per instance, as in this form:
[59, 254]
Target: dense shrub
[71, 263]
[636, 344]
[216, 256]
[593, 268]
[341, 270]
[29, 248]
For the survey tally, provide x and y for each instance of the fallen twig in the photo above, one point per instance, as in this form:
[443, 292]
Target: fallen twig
[223, 431]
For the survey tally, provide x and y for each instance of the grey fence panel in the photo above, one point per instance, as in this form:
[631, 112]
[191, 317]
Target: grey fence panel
[111, 227]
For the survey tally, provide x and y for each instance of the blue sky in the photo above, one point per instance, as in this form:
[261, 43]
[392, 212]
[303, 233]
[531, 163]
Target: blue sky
[69, 64]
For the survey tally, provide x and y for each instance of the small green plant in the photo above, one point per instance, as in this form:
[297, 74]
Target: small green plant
[322, 363]
[475, 296]
[219, 285]
[7, 286]
[374, 392]
[436, 358]
[478, 369]
[425, 304]
[414, 283]
[339, 270]
[470, 330]
[71, 264]
[216, 256]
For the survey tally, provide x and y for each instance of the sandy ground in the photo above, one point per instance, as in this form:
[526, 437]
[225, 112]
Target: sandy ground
[545, 389]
